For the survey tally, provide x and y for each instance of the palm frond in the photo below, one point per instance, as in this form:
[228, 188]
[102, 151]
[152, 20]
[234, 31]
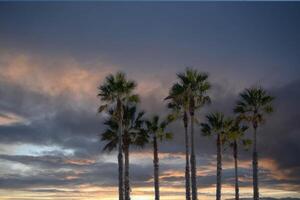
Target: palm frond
[253, 104]
[102, 108]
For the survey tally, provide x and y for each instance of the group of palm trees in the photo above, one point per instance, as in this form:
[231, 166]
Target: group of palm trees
[127, 126]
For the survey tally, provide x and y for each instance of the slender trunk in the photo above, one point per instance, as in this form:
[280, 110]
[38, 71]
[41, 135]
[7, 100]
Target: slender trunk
[187, 162]
[120, 153]
[156, 169]
[193, 160]
[219, 168]
[255, 166]
[126, 178]
[235, 156]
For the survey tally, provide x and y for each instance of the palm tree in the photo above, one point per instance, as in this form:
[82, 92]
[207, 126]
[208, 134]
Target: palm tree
[234, 137]
[179, 105]
[156, 128]
[254, 103]
[134, 134]
[116, 91]
[195, 85]
[218, 125]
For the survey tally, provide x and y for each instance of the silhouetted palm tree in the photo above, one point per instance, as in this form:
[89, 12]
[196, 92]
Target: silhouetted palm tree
[116, 91]
[220, 126]
[134, 134]
[179, 105]
[195, 84]
[254, 103]
[234, 137]
[156, 129]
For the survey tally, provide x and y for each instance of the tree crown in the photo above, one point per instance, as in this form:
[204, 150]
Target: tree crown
[156, 127]
[195, 85]
[253, 104]
[217, 124]
[134, 132]
[117, 88]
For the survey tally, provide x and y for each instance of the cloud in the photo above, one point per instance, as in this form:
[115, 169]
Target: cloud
[10, 119]
[54, 104]
[54, 77]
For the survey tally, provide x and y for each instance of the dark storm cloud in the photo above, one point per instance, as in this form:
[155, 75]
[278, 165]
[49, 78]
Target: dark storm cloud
[78, 129]
[73, 177]
[45, 161]
[279, 138]
[21, 101]
[245, 44]
[58, 171]
[51, 120]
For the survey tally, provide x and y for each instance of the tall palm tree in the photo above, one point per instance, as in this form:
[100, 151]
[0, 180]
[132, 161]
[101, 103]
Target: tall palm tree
[179, 105]
[217, 125]
[134, 134]
[195, 84]
[117, 91]
[156, 128]
[234, 137]
[254, 103]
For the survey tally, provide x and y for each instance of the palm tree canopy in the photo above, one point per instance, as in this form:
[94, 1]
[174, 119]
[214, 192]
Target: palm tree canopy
[178, 101]
[116, 87]
[237, 134]
[134, 132]
[157, 127]
[217, 123]
[195, 84]
[253, 104]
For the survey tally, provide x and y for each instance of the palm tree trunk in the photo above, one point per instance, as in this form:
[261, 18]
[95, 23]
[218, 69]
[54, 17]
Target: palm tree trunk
[156, 168]
[219, 168]
[255, 166]
[235, 156]
[120, 153]
[193, 160]
[126, 178]
[187, 162]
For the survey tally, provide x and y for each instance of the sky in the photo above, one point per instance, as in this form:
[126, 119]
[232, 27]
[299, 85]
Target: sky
[53, 57]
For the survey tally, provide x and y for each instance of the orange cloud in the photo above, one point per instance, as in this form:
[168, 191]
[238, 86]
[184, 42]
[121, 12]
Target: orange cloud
[80, 161]
[54, 76]
[10, 118]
